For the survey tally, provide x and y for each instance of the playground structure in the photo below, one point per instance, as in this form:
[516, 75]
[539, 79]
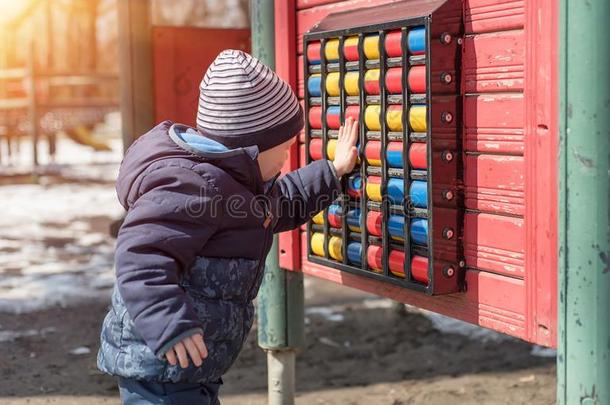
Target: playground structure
[533, 183]
[43, 94]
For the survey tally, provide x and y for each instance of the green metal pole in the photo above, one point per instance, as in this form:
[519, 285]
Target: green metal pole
[583, 359]
[281, 316]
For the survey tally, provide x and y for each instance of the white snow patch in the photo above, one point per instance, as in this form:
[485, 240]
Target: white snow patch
[446, 324]
[383, 303]
[11, 335]
[53, 250]
[541, 351]
[328, 313]
[80, 350]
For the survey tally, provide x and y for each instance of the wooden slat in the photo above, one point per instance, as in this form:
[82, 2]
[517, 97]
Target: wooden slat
[494, 123]
[79, 80]
[81, 103]
[10, 103]
[17, 73]
[487, 249]
[541, 177]
[493, 15]
[136, 70]
[494, 62]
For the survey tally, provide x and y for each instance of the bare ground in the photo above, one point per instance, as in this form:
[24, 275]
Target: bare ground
[371, 356]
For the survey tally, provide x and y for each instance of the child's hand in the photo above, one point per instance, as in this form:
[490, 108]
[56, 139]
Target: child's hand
[346, 153]
[193, 345]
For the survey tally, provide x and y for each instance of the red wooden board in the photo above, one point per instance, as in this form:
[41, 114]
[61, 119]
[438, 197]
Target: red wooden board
[494, 62]
[181, 55]
[510, 141]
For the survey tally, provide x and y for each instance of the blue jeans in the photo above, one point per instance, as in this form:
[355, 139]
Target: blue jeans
[136, 392]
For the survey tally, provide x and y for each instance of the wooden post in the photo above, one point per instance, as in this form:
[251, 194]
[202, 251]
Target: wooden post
[3, 65]
[50, 67]
[32, 105]
[135, 61]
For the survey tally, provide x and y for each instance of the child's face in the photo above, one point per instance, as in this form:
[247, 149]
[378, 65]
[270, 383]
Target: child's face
[272, 160]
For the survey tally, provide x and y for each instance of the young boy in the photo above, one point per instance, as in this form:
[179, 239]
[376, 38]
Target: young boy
[202, 207]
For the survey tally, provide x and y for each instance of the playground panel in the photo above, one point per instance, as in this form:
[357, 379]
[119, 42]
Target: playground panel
[181, 56]
[400, 220]
[506, 92]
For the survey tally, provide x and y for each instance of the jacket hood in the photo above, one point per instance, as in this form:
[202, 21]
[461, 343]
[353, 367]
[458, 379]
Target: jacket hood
[169, 141]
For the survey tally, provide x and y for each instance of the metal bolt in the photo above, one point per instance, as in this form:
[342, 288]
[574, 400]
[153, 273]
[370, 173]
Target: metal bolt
[460, 40]
[448, 271]
[448, 195]
[447, 156]
[446, 78]
[448, 233]
[446, 117]
[446, 38]
[462, 263]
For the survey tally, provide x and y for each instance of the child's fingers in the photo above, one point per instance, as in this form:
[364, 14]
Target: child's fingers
[349, 122]
[345, 128]
[198, 340]
[353, 135]
[192, 351]
[181, 353]
[171, 357]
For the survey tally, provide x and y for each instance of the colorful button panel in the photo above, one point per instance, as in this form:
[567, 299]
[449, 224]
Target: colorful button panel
[382, 79]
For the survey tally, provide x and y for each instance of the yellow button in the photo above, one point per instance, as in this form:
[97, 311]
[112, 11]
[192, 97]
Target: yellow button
[317, 243]
[335, 246]
[351, 83]
[373, 191]
[331, 50]
[330, 149]
[319, 218]
[332, 84]
[394, 117]
[371, 46]
[417, 118]
[371, 117]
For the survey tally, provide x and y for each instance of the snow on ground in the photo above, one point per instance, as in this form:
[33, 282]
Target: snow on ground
[55, 247]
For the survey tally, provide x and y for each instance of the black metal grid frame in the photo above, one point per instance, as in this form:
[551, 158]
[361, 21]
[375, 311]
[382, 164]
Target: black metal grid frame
[365, 239]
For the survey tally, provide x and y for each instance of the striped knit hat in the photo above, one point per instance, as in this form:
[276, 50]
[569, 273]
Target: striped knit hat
[242, 102]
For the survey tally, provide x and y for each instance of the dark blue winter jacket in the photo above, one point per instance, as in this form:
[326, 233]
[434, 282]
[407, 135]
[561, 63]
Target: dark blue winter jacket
[190, 254]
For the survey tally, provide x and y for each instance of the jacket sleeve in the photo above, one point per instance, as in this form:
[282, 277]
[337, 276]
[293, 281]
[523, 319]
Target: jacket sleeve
[161, 235]
[302, 193]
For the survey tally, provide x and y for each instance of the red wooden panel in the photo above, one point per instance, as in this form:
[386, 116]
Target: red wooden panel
[494, 123]
[494, 62]
[541, 126]
[495, 243]
[301, 4]
[308, 17]
[181, 55]
[510, 246]
[494, 183]
[285, 34]
[493, 15]
[492, 300]
[301, 77]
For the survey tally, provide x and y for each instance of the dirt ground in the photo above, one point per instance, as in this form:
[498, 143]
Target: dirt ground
[364, 354]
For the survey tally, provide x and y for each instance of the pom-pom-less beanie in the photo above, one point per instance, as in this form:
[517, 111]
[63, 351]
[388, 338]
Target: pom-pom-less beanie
[242, 103]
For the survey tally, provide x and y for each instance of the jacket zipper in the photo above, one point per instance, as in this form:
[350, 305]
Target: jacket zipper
[268, 226]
